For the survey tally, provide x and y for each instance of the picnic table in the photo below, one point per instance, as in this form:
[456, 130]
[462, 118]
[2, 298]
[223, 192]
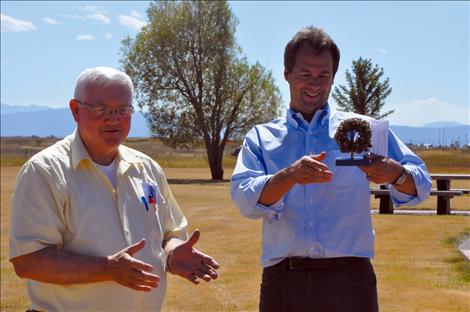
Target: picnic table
[443, 184]
[444, 193]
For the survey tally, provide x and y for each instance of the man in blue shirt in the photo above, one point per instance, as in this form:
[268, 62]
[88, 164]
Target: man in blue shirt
[317, 233]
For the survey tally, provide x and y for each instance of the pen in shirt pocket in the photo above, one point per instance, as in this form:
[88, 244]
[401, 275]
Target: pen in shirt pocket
[144, 201]
[151, 197]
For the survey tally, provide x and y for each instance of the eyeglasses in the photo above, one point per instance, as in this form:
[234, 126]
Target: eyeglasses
[101, 111]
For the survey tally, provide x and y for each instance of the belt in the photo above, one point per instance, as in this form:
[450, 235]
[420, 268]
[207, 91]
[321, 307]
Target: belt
[300, 263]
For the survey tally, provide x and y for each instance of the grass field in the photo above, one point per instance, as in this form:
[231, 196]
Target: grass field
[417, 263]
[16, 150]
[446, 160]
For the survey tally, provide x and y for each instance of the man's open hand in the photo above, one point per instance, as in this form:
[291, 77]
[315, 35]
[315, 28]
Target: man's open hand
[310, 169]
[128, 271]
[190, 263]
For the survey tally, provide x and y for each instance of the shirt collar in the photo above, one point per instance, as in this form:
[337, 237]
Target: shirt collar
[79, 152]
[320, 118]
[125, 155]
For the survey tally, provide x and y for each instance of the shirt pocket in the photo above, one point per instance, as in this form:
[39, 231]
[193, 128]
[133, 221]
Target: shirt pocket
[151, 202]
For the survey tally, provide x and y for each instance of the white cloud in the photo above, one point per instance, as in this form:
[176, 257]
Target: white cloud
[99, 17]
[382, 51]
[92, 12]
[422, 111]
[75, 16]
[50, 21]
[108, 35]
[136, 14]
[12, 24]
[133, 21]
[96, 13]
[85, 37]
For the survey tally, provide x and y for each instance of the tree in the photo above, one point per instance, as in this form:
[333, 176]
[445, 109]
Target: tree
[191, 81]
[365, 94]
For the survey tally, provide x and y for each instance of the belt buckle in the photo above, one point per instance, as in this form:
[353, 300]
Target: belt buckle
[292, 262]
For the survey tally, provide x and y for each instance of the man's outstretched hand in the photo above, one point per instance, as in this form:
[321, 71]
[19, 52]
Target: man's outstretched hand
[188, 262]
[382, 169]
[128, 271]
[386, 170]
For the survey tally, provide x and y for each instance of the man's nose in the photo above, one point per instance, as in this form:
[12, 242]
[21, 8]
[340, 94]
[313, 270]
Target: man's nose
[314, 81]
[112, 114]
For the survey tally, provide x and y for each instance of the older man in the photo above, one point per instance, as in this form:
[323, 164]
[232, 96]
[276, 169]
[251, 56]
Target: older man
[94, 223]
[317, 230]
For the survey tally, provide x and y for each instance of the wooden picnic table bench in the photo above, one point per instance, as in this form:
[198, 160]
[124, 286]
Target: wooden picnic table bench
[443, 192]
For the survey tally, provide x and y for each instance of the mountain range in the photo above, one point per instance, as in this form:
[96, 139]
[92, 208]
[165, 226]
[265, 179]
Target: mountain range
[44, 121]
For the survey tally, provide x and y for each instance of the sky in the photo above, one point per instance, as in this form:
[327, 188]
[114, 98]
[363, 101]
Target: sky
[422, 46]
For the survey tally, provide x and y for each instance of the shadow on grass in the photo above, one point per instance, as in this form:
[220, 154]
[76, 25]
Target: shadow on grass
[460, 263]
[196, 181]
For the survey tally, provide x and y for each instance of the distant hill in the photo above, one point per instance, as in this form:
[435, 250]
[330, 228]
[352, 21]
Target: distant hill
[10, 109]
[56, 122]
[443, 124]
[444, 136]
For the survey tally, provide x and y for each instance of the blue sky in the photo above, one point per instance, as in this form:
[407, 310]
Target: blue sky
[422, 46]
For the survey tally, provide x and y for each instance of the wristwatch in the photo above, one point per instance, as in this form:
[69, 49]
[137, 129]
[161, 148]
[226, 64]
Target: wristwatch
[401, 178]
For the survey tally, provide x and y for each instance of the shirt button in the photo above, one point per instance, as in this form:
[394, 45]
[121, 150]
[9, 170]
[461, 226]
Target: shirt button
[312, 248]
[311, 200]
[311, 223]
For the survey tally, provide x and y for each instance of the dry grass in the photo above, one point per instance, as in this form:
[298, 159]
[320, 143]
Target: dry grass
[456, 203]
[13, 290]
[446, 160]
[17, 150]
[417, 264]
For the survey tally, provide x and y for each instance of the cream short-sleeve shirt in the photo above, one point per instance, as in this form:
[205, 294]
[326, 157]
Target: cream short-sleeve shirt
[62, 199]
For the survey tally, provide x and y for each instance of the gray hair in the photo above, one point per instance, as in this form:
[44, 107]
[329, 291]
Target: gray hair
[100, 76]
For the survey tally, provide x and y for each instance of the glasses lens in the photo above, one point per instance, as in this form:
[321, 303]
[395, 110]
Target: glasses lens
[101, 111]
[125, 111]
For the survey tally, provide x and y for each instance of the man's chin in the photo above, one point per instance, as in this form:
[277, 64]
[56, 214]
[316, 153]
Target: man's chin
[112, 138]
[313, 105]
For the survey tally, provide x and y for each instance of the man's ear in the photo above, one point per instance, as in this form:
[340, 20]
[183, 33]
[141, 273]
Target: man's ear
[286, 74]
[75, 110]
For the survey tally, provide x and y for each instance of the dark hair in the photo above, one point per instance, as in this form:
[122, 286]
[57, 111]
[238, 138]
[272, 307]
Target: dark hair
[313, 37]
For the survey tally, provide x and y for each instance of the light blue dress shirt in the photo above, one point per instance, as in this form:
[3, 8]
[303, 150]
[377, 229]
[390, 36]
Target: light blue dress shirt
[323, 220]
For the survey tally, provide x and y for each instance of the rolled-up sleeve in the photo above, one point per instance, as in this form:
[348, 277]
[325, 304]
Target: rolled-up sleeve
[248, 181]
[415, 166]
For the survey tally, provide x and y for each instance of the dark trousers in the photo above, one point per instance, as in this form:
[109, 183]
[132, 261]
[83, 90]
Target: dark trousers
[302, 284]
